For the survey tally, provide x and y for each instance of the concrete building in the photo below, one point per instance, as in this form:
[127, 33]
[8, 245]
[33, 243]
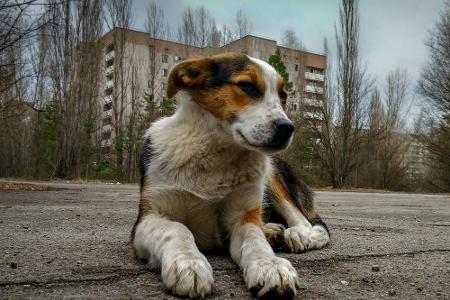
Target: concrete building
[147, 62]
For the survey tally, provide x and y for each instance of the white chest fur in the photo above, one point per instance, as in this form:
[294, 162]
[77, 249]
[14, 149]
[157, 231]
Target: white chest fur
[195, 155]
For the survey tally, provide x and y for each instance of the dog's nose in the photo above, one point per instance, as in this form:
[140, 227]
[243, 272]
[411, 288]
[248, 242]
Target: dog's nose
[283, 128]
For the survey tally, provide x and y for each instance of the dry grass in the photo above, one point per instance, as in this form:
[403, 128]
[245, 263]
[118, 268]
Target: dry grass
[13, 186]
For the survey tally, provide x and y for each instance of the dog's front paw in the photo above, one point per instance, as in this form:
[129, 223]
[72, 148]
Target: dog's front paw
[296, 239]
[188, 275]
[272, 278]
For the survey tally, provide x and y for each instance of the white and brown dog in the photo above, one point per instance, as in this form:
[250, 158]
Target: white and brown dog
[209, 182]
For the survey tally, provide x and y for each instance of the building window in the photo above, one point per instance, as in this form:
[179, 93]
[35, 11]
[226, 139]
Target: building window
[177, 58]
[107, 106]
[165, 58]
[108, 91]
[109, 63]
[296, 67]
[110, 47]
[163, 86]
[106, 135]
[165, 71]
[295, 107]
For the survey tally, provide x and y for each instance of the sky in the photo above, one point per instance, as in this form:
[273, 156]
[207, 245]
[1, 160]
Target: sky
[392, 32]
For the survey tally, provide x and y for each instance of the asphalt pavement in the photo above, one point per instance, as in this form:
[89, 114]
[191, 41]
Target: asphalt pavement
[70, 241]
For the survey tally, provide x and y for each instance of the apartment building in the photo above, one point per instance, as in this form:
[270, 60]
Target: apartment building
[147, 62]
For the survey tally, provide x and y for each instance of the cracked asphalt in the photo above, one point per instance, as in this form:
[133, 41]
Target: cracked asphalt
[70, 241]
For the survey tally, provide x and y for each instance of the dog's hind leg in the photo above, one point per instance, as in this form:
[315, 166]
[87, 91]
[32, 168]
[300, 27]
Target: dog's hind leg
[290, 202]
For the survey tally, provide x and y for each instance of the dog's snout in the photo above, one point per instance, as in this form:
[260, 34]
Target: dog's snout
[283, 128]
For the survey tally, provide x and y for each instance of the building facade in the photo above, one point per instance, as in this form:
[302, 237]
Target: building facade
[136, 67]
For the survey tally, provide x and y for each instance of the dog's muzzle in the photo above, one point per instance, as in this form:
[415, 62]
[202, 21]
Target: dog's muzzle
[283, 130]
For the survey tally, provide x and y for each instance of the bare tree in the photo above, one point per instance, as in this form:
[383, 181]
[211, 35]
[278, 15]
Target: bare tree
[215, 35]
[434, 82]
[155, 22]
[434, 85]
[291, 40]
[187, 32]
[227, 35]
[119, 14]
[343, 112]
[203, 23]
[156, 29]
[393, 143]
[243, 25]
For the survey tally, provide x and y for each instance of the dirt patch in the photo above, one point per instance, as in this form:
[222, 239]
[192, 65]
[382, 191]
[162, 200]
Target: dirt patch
[11, 186]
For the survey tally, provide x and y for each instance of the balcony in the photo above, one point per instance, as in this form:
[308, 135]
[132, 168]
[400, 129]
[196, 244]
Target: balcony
[109, 70]
[106, 143]
[109, 56]
[109, 85]
[312, 102]
[313, 115]
[313, 89]
[107, 128]
[107, 113]
[314, 76]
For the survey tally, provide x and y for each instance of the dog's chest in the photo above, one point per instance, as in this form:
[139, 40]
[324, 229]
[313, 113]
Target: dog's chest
[208, 171]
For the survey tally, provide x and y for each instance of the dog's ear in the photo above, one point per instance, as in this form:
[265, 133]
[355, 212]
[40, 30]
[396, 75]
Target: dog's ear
[187, 75]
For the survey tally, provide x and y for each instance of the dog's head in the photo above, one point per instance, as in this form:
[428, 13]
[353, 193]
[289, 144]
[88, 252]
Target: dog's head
[244, 94]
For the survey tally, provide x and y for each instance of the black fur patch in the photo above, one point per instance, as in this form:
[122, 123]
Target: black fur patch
[223, 69]
[145, 158]
[299, 192]
[297, 189]
[144, 161]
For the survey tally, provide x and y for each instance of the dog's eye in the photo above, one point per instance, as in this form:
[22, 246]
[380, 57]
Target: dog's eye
[248, 88]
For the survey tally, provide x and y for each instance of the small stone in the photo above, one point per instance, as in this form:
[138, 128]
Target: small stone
[13, 265]
[79, 262]
[78, 215]
[376, 268]
[412, 284]
[365, 279]
[419, 288]
[231, 294]
[49, 261]
[25, 227]
[392, 293]
[343, 282]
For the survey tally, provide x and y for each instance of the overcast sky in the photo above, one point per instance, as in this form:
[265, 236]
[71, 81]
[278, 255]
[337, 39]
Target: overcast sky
[392, 31]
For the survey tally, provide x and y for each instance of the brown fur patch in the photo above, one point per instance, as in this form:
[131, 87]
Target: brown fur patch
[211, 81]
[274, 234]
[280, 85]
[281, 90]
[252, 216]
[144, 206]
[278, 189]
[280, 193]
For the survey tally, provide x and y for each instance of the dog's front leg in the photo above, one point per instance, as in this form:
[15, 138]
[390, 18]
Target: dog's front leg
[184, 270]
[269, 275]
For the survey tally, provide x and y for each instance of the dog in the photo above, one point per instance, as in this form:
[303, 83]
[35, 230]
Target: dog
[209, 180]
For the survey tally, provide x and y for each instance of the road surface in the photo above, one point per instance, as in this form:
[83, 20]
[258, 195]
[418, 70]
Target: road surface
[70, 241]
